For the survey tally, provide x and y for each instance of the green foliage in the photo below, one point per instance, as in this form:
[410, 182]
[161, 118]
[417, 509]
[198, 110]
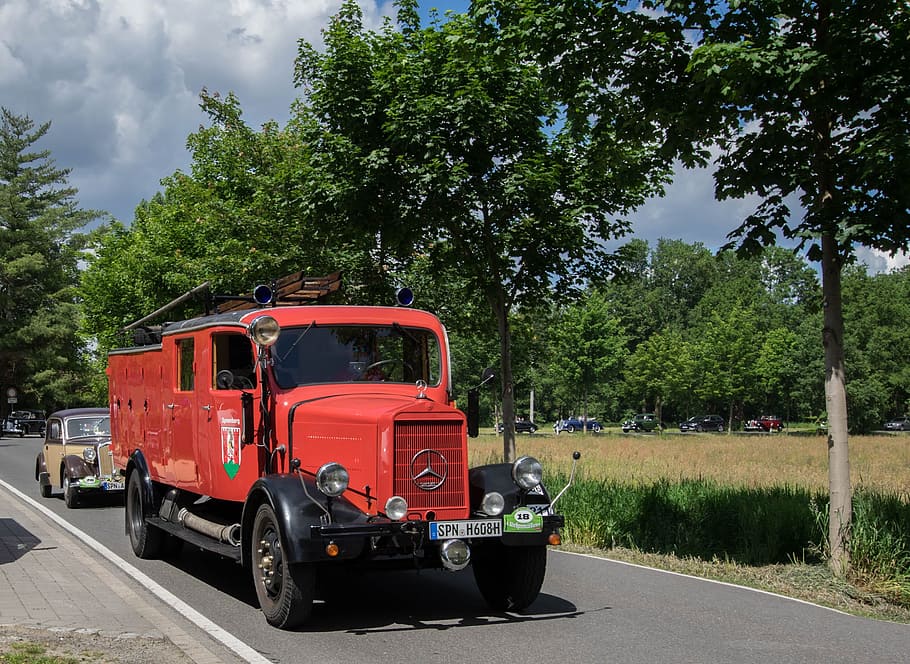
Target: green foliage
[41, 352]
[760, 526]
[692, 518]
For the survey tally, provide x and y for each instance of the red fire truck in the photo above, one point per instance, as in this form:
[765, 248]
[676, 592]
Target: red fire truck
[296, 438]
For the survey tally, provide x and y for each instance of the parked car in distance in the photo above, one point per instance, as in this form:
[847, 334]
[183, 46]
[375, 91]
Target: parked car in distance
[705, 423]
[690, 424]
[76, 456]
[22, 422]
[521, 426]
[765, 423]
[572, 424]
[898, 424]
[642, 422]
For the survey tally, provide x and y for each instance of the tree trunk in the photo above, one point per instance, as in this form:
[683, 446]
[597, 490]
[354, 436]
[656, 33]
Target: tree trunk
[840, 510]
[505, 362]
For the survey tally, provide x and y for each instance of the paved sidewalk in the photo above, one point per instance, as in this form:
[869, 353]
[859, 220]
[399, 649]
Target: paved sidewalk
[51, 579]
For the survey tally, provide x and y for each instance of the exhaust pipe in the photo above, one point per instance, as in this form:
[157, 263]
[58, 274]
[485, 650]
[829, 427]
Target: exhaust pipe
[229, 534]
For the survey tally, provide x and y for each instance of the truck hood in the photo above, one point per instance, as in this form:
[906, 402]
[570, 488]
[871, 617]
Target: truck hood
[359, 432]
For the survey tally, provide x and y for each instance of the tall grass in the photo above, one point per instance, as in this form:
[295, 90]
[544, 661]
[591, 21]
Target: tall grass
[753, 501]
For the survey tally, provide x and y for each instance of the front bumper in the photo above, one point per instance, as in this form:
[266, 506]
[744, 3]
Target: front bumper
[383, 538]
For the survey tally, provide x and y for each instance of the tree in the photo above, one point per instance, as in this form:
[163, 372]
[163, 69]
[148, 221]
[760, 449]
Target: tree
[810, 102]
[40, 349]
[590, 347]
[662, 369]
[232, 221]
[726, 355]
[443, 142]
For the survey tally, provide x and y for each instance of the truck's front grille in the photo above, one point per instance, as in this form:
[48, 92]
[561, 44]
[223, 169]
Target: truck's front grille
[428, 453]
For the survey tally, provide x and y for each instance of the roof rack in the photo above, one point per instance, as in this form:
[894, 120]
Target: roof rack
[289, 290]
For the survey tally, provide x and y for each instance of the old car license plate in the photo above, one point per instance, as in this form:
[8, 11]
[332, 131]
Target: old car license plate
[440, 530]
[111, 486]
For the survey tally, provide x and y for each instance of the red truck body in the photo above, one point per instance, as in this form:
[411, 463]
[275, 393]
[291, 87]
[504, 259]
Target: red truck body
[232, 439]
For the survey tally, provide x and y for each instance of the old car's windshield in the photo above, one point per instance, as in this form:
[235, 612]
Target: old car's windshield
[81, 427]
[351, 353]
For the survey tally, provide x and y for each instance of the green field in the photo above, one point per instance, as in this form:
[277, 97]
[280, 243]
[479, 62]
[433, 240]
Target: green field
[746, 508]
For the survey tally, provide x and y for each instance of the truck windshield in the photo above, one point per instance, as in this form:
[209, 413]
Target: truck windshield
[353, 353]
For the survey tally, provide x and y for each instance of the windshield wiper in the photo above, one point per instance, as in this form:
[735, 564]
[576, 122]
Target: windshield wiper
[297, 341]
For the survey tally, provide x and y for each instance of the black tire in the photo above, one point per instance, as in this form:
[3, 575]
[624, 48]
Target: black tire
[70, 493]
[146, 540]
[509, 577]
[570, 428]
[699, 428]
[596, 428]
[285, 591]
[46, 490]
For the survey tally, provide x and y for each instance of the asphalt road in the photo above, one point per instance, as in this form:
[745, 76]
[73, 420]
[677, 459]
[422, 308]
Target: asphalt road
[591, 609]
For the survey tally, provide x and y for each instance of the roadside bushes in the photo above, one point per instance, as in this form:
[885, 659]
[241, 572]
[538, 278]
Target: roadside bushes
[751, 526]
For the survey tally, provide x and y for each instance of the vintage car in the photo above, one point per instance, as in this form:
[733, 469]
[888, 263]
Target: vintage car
[22, 422]
[574, 424]
[521, 426]
[642, 422]
[767, 423]
[77, 455]
[898, 424]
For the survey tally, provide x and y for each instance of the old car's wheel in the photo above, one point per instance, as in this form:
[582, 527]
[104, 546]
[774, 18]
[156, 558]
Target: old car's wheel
[46, 490]
[146, 540]
[285, 591]
[70, 493]
[509, 577]
[570, 428]
[595, 428]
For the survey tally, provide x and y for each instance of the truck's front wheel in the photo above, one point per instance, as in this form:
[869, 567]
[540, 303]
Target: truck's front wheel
[285, 591]
[509, 578]
[146, 540]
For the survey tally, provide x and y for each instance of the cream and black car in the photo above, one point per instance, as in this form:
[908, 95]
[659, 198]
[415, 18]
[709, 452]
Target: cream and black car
[77, 455]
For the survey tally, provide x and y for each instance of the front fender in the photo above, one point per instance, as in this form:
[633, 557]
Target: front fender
[498, 477]
[298, 505]
[75, 467]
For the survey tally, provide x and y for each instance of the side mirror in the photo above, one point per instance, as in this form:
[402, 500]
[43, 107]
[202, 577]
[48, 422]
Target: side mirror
[473, 413]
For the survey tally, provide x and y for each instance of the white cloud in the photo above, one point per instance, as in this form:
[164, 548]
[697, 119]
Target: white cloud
[120, 80]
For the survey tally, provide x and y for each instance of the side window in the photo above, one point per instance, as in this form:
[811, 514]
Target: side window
[186, 378]
[232, 362]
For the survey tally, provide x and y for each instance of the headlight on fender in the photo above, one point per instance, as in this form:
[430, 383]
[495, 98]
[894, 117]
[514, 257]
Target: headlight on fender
[332, 479]
[89, 454]
[492, 504]
[396, 508]
[527, 472]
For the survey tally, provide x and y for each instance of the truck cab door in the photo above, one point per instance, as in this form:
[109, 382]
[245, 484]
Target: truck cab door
[229, 374]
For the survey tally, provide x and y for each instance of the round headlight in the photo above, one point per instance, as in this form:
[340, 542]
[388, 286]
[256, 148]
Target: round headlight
[493, 503]
[332, 479]
[396, 508]
[455, 554]
[527, 472]
[89, 454]
[264, 330]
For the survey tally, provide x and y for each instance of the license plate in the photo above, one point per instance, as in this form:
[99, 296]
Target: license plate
[440, 530]
[112, 486]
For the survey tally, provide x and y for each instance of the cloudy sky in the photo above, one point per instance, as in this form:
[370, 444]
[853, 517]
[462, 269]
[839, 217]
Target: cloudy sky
[120, 79]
